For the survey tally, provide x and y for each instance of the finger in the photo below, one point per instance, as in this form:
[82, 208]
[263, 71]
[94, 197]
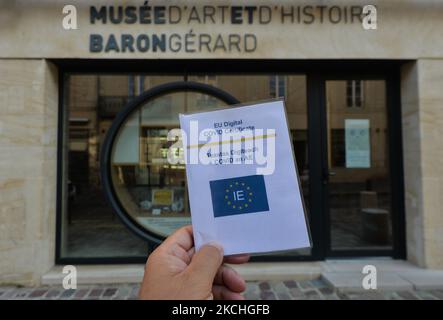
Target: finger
[183, 237]
[229, 278]
[205, 263]
[191, 252]
[223, 293]
[177, 251]
[237, 259]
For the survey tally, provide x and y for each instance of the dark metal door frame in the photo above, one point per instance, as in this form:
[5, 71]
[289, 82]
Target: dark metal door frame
[317, 118]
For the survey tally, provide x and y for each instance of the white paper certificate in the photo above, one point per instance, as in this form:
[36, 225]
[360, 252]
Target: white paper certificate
[243, 187]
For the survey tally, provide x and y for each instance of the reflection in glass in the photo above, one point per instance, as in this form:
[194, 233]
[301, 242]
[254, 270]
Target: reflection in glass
[90, 229]
[153, 191]
[359, 184]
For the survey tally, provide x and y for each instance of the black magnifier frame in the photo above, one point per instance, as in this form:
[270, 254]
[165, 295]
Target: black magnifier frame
[122, 116]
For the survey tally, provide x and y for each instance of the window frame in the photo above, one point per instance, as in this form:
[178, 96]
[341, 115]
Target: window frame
[314, 70]
[353, 97]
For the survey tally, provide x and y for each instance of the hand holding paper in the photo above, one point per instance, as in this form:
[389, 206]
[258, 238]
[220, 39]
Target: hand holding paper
[243, 187]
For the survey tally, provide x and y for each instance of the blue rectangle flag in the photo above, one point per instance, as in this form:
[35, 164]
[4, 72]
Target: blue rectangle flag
[239, 195]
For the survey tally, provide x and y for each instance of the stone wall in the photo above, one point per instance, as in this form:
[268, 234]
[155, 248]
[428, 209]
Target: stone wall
[422, 112]
[28, 144]
[28, 148]
[407, 29]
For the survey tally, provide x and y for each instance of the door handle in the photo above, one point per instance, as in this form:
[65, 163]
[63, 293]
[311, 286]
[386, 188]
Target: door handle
[332, 173]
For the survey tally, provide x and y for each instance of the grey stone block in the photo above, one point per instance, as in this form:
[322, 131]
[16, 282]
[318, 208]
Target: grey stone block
[424, 279]
[352, 281]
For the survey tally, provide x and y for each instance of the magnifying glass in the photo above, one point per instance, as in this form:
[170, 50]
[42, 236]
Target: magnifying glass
[147, 192]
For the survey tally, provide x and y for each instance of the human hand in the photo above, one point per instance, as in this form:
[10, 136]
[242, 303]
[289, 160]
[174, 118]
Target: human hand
[175, 271]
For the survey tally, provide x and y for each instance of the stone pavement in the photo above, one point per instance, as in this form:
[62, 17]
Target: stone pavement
[267, 290]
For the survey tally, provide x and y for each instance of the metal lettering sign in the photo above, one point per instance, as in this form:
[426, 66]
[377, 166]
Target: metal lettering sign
[192, 40]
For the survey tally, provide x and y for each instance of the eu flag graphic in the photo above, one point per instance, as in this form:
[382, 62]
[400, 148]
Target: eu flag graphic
[239, 195]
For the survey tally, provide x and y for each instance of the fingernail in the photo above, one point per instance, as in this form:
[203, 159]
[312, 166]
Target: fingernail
[216, 245]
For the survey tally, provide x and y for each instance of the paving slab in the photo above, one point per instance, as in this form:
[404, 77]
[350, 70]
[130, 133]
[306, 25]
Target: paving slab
[297, 290]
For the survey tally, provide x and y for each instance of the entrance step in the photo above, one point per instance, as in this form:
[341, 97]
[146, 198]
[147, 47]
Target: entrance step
[343, 275]
[254, 271]
[353, 281]
[279, 271]
[97, 274]
[425, 279]
[392, 275]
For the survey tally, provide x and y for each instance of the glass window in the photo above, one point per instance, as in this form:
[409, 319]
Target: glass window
[354, 93]
[90, 229]
[152, 191]
[277, 86]
[337, 147]
[359, 182]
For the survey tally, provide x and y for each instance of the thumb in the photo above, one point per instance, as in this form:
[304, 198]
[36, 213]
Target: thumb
[206, 262]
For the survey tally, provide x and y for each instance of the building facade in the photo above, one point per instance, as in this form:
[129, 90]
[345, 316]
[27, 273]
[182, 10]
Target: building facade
[363, 105]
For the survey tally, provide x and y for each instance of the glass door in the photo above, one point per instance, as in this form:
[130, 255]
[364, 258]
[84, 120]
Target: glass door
[357, 174]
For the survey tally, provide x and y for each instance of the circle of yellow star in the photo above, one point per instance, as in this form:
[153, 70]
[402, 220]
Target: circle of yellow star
[229, 198]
